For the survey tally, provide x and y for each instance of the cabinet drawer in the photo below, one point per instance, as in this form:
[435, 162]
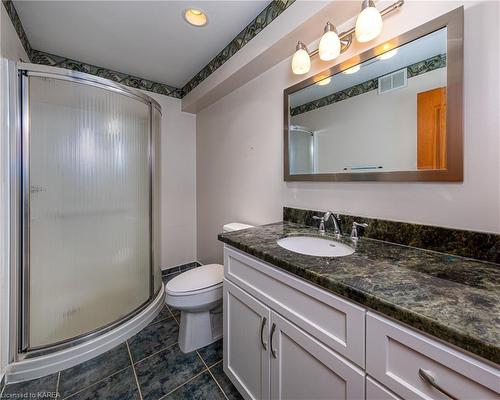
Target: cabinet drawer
[375, 391]
[395, 354]
[336, 322]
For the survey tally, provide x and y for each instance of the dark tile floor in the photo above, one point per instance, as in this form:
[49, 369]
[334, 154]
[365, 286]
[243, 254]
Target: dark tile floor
[148, 366]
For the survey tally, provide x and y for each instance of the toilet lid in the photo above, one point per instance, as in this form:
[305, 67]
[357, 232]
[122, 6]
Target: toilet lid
[197, 279]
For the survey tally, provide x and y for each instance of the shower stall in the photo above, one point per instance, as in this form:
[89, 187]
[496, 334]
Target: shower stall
[85, 271]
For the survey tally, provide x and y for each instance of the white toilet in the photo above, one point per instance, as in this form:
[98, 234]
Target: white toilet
[197, 293]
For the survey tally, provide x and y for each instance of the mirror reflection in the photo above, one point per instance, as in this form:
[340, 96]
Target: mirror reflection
[385, 114]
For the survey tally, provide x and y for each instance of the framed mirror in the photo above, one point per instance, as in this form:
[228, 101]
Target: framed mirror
[392, 113]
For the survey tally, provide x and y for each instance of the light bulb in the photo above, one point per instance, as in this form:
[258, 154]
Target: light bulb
[329, 45]
[369, 22]
[301, 62]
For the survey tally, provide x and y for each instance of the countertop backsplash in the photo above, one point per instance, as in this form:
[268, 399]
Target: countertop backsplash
[477, 245]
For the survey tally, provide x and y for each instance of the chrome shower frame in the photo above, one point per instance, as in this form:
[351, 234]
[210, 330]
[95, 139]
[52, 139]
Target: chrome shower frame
[20, 219]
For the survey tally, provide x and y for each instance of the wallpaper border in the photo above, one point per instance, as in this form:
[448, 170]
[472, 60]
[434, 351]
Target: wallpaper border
[418, 68]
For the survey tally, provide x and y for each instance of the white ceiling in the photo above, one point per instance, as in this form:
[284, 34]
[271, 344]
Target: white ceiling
[418, 50]
[148, 39]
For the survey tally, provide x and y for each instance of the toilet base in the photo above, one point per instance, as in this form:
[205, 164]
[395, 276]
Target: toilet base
[199, 329]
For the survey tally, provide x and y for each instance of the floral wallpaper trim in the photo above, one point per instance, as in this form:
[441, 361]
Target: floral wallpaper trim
[421, 67]
[40, 57]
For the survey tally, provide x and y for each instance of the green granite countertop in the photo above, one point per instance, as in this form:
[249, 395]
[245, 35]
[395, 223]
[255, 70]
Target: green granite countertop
[452, 298]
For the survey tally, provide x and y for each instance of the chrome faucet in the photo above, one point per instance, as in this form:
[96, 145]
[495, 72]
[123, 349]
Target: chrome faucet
[354, 231]
[324, 219]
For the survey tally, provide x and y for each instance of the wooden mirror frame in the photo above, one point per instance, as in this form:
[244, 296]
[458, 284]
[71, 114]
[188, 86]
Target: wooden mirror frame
[454, 22]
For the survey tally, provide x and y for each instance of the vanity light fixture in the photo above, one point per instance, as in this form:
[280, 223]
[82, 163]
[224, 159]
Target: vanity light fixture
[368, 26]
[369, 22]
[301, 62]
[195, 17]
[329, 45]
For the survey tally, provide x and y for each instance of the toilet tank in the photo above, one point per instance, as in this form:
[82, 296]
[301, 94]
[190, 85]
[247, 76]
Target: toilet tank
[235, 226]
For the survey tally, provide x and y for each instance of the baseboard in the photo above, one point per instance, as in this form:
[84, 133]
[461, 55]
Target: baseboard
[180, 268]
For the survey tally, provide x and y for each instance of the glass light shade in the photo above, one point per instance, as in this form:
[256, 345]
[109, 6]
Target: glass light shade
[368, 24]
[301, 62]
[329, 46]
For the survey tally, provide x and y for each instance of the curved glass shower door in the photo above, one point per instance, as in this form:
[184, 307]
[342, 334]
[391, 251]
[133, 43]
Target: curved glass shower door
[88, 228]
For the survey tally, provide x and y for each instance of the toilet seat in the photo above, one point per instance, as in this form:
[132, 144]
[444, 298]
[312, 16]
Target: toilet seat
[196, 281]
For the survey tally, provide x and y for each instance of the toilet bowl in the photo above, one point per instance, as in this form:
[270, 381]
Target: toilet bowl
[197, 293]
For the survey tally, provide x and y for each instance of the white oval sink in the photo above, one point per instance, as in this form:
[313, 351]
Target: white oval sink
[315, 246]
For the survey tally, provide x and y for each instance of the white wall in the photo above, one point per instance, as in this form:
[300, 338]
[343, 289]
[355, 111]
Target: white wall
[240, 148]
[178, 183]
[385, 134]
[10, 43]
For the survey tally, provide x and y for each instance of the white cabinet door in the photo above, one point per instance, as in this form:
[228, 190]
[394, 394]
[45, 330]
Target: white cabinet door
[303, 368]
[246, 351]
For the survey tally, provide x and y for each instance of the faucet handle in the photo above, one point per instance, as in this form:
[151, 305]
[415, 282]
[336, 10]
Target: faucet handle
[321, 227]
[354, 231]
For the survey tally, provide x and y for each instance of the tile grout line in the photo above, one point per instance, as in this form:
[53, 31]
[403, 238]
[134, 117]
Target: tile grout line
[164, 319]
[155, 353]
[95, 383]
[185, 383]
[172, 314]
[161, 320]
[133, 369]
[211, 375]
[57, 384]
[217, 363]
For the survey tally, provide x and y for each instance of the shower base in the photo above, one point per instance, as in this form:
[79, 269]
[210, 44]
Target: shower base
[38, 367]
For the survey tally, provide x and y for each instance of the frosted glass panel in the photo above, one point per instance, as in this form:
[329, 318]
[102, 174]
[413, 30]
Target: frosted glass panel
[89, 208]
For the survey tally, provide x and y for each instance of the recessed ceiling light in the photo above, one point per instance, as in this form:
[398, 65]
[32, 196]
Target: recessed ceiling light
[195, 17]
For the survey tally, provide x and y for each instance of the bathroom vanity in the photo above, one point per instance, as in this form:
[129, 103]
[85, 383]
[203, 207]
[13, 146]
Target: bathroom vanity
[386, 322]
